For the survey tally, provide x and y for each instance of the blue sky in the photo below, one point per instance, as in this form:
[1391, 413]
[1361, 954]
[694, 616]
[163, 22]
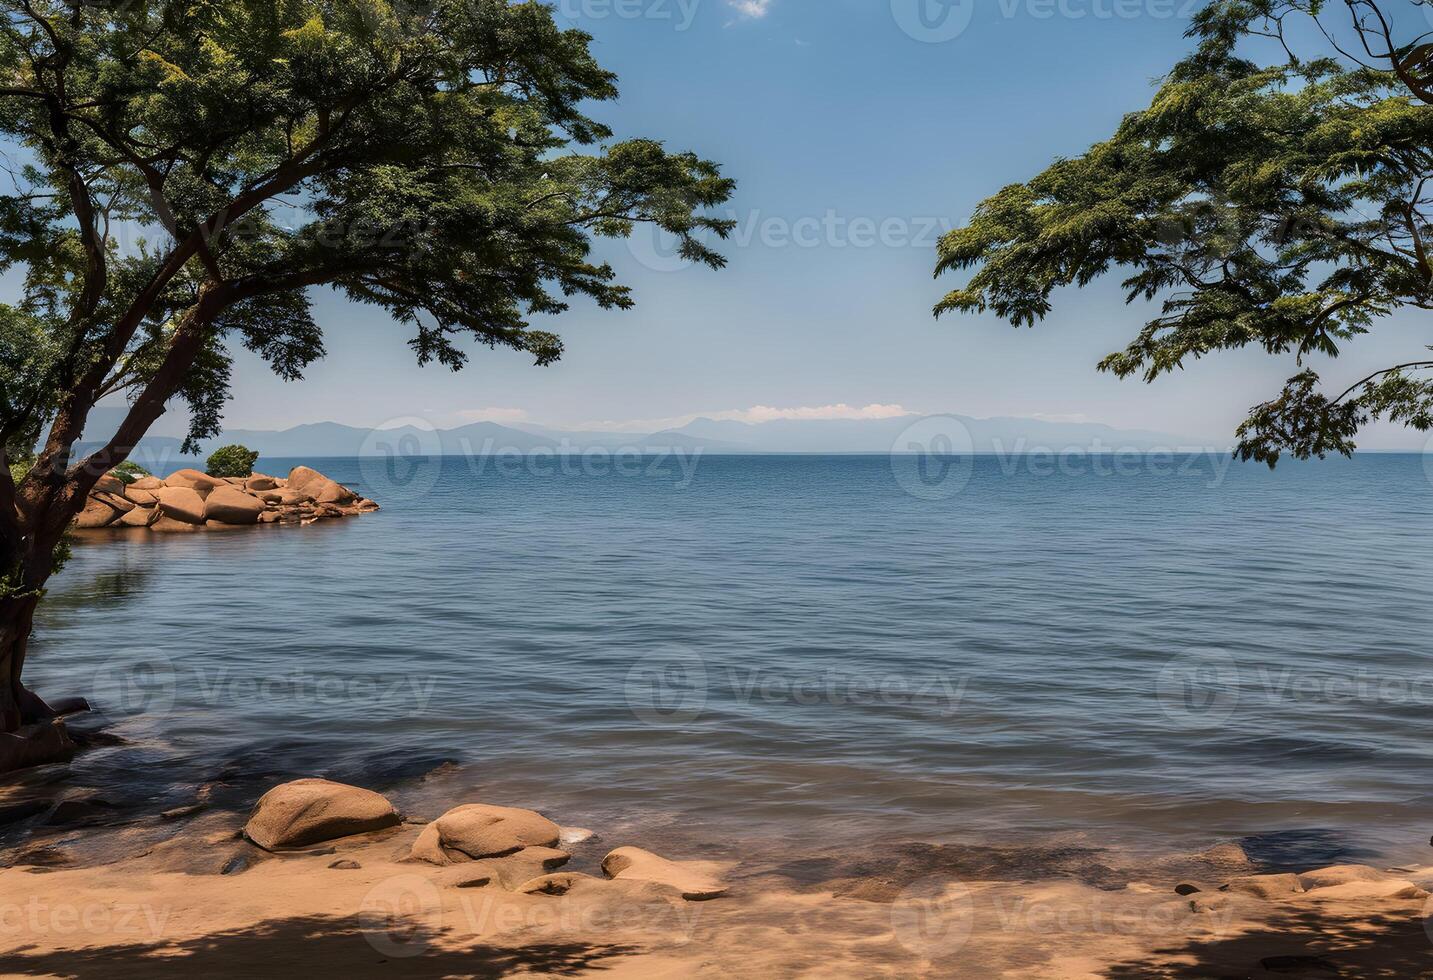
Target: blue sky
[857, 131]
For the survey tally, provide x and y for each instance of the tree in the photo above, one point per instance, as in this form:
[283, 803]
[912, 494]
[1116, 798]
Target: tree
[1267, 197]
[231, 461]
[434, 159]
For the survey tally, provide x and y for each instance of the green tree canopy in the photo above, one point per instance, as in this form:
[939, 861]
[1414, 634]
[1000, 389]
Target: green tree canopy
[231, 461]
[436, 158]
[1274, 194]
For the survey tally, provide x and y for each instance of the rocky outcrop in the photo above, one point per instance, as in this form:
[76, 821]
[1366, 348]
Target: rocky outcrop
[309, 811]
[187, 500]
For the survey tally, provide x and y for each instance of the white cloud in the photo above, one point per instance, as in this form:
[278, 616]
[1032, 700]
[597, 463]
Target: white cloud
[493, 415]
[751, 8]
[755, 415]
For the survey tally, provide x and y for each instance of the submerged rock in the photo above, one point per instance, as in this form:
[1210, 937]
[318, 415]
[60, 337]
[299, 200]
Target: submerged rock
[1265, 886]
[309, 811]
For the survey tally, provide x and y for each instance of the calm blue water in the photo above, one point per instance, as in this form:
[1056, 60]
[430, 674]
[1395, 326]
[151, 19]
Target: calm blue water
[795, 645]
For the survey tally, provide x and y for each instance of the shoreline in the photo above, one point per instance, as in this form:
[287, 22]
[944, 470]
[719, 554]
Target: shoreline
[204, 898]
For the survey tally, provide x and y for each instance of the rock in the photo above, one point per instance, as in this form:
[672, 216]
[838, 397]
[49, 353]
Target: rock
[140, 517]
[82, 811]
[692, 878]
[269, 517]
[97, 513]
[35, 745]
[110, 484]
[574, 835]
[230, 505]
[259, 482]
[1267, 887]
[558, 884]
[201, 483]
[181, 504]
[307, 811]
[141, 498]
[1341, 874]
[169, 525]
[333, 493]
[1389, 888]
[477, 875]
[181, 812]
[477, 830]
[345, 865]
[301, 476]
[237, 864]
[1186, 889]
[145, 483]
[119, 502]
[1227, 855]
[366, 506]
[292, 498]
[21, 810]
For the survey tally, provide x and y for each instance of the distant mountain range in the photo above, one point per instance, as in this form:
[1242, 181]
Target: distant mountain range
[901, 434]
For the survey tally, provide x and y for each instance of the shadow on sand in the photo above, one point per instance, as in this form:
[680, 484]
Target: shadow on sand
[322, 946]
[1303, 943]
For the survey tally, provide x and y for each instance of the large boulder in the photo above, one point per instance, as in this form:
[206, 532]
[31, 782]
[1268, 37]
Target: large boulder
[146, 483]
[117, 501]
[308, 811]
[181, 504]
[301, 476]
[201, 483]
[169, 525]
[97, 513]
[258, 482]
[696, 880]
[319, 487]
[140, 517]
[230, 505]
[477, 830]
[110, 484]
[140, 497]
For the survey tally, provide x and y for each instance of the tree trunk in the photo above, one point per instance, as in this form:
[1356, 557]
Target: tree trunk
[18, 706]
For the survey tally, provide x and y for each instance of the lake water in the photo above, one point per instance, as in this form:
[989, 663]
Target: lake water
[1167, 652]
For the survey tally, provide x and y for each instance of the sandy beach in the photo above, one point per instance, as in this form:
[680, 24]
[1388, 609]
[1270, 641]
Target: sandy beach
[193, 897]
